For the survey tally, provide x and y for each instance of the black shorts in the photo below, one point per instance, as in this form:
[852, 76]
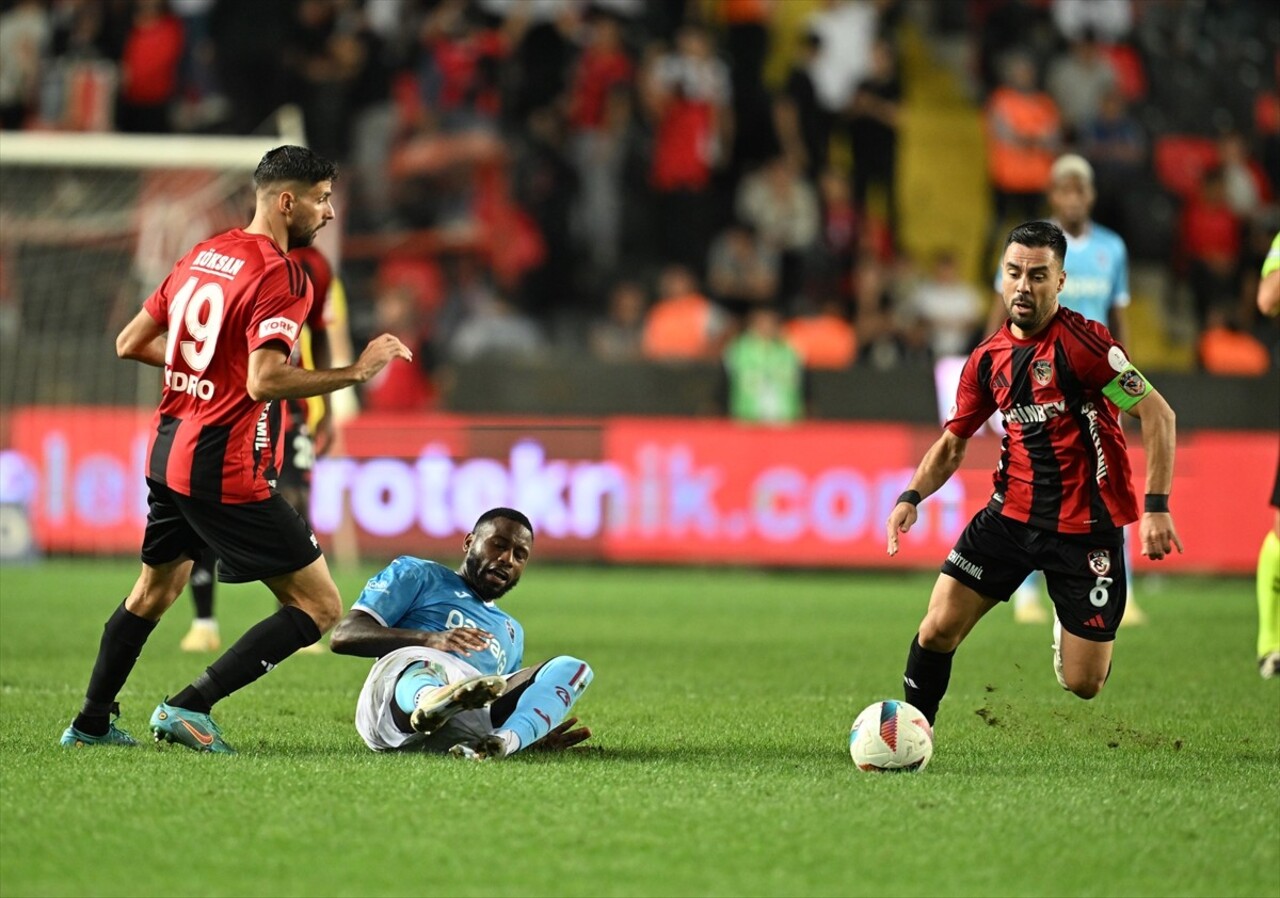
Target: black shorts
[253, 541]
[1085, 572]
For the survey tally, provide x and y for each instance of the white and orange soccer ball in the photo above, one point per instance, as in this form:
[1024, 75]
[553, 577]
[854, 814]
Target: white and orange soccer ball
[891, 737]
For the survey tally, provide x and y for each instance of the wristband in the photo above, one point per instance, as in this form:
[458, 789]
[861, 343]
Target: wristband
[1156, 503]
[911, 496]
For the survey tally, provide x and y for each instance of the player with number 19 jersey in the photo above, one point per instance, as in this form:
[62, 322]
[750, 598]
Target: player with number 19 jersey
[229, 296]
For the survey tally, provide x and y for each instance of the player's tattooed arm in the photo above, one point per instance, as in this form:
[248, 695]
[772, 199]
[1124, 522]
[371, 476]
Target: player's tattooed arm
[362, 635]
[142, 340]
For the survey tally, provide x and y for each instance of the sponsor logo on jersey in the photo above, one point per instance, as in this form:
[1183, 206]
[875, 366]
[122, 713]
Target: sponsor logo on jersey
[1091, 414]
[1132, 382]
[278, 326]
[181, 382]
[563, 695]
[1036, 414]
[1042, 371]
[211, 262]
[1100, 561]
[511, 631]
[973, 570]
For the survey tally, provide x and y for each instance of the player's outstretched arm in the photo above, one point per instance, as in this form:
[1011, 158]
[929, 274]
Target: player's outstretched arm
[1159, 437]
[142, 340]
[362, 635]
[937, 466]
[272, 377]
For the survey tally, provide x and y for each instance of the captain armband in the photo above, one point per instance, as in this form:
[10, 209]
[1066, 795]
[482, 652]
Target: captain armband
[1129, 386]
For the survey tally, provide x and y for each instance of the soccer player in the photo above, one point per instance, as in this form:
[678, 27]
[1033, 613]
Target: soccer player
[222, 325]
[1269, 556]
[1097, 287]
[448, 674]
[1062, 490]
[297, 448]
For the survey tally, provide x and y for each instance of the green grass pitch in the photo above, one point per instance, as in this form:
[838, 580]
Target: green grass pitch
[721, 707]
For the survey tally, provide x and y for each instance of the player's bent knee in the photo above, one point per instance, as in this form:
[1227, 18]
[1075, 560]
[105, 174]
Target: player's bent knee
[936, 636]
[567, 669]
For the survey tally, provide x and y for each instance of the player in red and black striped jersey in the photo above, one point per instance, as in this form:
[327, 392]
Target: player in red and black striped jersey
[1062, 486]
[223, 325]
[295, 447]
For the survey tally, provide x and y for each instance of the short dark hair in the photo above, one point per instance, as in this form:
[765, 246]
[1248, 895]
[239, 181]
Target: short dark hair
[290, 163]
[509, 513]
[1040, 233]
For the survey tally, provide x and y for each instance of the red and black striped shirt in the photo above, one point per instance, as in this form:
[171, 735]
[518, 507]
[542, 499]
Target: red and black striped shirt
[230, 295]
[1063, 464]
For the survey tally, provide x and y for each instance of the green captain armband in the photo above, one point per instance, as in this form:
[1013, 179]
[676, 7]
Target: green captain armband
[1128, 387]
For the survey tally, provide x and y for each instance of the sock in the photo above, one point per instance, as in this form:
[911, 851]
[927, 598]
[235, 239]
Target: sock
[255, 653]
[202, 583]
[926, 678]
[529, 712]
[416, 677]
[123, 637]
[1269, 596]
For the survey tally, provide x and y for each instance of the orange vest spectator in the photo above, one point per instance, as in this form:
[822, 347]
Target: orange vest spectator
[1227, 351]
[823, 341]
[686, 326]
[1015, 119]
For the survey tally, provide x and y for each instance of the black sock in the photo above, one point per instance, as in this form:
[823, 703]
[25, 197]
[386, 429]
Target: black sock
[202, 576]
[123, 637]
[265, 645]
[926, 678]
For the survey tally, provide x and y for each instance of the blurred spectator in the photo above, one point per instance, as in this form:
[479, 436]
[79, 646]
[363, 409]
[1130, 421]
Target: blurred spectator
[1079, 79]
[1244, 182]
[247, 37]
[459, 75]
[950, 308]
[1007, 26]
[408, 388]
[742, 270]
[149, 69]
[1210, 245]
[764, 380]
[686, 94]
[1224, 348]
[883, 339]
[1023, 136]
[747, 44]
[831, 262]
[496, 328]
[802, 126]
[845, 30]
[546, 186]
[783, 208]
[324, 59]
[600, 117]
[619, 336]
[1115, 144]
[1110, 20]
[825, 338]
[683, 325]
[873, 131]
[25, 35]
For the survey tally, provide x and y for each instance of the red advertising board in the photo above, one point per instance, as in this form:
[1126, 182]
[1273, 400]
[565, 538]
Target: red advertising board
[621, 489]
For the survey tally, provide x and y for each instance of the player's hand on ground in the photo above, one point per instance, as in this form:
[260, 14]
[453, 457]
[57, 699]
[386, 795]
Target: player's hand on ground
[563, 736]
[379, 353]
[904, 514]
[460, 639]
[1158, 535]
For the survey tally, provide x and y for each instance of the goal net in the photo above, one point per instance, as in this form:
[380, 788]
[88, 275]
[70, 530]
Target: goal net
[89, 225]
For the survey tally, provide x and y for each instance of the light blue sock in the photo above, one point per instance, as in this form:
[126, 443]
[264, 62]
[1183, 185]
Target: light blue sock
[546, 701]
[416, 677]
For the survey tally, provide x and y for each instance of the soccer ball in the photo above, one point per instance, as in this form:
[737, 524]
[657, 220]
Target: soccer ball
[891, 737]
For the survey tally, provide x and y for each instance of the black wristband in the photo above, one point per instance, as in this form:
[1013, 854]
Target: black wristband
[1156, 503]
[911, 496]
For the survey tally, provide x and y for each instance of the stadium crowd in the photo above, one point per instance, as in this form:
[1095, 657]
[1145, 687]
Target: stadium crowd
[638, 179]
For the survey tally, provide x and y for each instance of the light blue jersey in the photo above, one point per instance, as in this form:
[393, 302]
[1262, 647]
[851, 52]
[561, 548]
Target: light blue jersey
[1097, 269]
[417, 594]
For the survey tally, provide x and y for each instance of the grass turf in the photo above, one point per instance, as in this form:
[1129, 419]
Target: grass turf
[721, 706]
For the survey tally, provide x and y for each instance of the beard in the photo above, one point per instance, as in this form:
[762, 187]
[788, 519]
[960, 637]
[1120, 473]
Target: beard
[301, 238]
[485, 590]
